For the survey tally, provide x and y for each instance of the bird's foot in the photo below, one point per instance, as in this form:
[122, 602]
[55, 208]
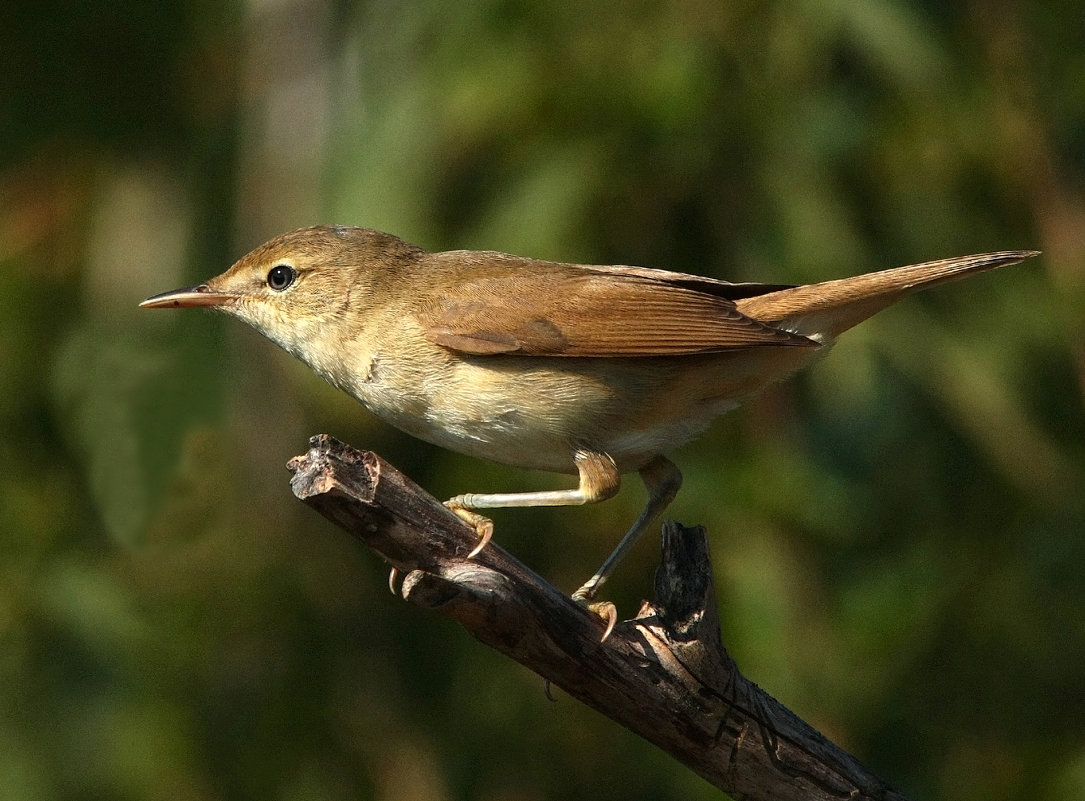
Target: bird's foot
[483, 526]
[604, 609]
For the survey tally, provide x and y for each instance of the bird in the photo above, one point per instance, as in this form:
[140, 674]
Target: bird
[590, 370]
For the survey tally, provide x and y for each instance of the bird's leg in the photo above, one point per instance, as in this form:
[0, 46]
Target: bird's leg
[599, 480]
[663, 480]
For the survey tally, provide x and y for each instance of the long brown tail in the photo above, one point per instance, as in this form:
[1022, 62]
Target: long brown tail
[826, 310]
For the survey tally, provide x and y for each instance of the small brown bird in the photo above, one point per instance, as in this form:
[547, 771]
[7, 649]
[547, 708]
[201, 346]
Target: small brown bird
[590, 370]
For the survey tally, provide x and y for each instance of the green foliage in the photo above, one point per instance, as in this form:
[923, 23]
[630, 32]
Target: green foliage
[898, 534]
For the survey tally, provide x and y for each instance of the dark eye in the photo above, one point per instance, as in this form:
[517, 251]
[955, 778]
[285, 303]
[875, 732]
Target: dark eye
[281, 276]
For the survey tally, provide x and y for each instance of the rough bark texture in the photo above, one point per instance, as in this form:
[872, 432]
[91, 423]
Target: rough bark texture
[664, 674]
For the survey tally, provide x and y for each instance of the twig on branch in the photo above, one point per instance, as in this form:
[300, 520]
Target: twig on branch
[664, 674]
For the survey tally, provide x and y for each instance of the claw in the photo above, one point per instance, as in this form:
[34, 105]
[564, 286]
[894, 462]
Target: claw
[546, 691]
[604, 609]
[483, 526]
[393, 574]
[609, 613]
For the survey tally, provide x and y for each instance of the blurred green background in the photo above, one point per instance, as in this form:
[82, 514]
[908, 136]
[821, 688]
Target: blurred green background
[898, 534]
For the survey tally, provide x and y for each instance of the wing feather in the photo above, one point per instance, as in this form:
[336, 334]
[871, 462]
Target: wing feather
[584, 312]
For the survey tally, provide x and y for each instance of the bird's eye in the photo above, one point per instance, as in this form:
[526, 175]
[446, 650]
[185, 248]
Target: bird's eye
[281, 276]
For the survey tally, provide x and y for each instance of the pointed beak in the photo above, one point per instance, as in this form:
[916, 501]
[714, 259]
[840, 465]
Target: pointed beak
[201, 295]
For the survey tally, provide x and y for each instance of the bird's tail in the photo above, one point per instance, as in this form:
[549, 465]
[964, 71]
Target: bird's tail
[824, 311]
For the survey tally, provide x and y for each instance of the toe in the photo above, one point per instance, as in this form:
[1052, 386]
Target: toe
[482, 525]
[609, 613]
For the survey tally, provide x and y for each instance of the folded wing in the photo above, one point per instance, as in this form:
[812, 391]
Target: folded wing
[590, 312]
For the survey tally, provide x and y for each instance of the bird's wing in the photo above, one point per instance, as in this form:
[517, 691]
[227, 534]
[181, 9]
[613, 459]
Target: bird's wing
[587, 312]
[699, 283]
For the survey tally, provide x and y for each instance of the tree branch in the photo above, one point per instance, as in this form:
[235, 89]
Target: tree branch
[664, 674]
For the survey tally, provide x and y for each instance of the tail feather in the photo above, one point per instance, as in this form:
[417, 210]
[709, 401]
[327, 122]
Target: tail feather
[826, 310]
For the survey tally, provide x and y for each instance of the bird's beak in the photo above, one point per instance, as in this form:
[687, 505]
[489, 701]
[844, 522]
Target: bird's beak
[201, 295]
